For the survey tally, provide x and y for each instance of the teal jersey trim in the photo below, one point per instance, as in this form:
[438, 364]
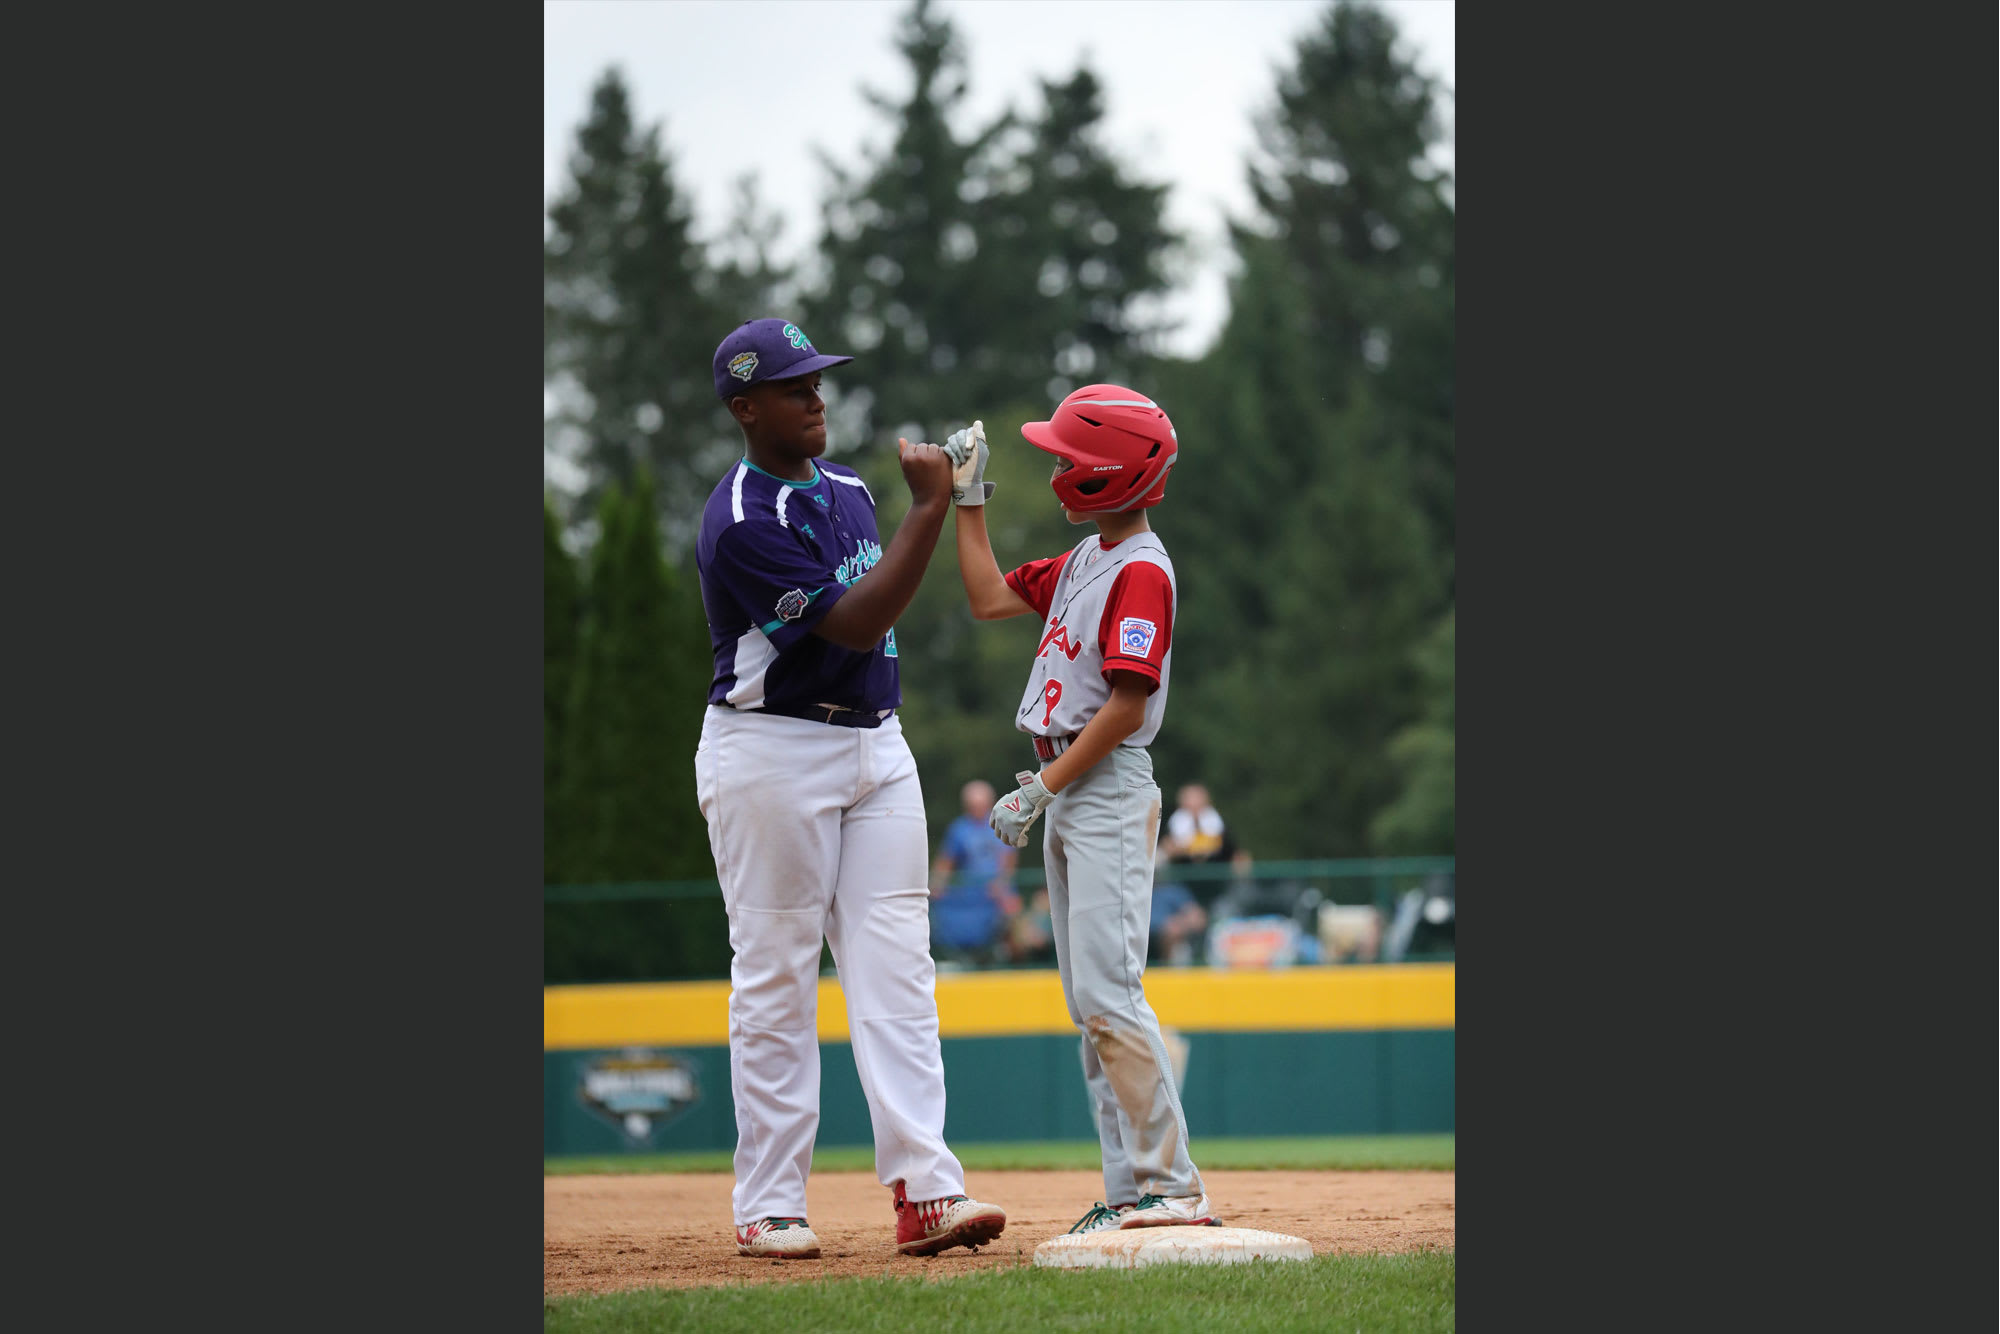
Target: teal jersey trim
[774, 477]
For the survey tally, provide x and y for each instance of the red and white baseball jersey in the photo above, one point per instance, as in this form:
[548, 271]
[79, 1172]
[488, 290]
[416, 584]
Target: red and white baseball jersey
[1104, 609]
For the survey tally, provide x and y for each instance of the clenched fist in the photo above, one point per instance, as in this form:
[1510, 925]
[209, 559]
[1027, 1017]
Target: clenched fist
[927, 469]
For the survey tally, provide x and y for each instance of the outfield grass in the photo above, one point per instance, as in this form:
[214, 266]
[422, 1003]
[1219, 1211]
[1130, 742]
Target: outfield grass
[1338, 1153]
[1410, 1292]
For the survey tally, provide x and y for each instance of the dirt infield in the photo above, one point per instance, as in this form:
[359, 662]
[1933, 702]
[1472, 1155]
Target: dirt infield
[674, 1230]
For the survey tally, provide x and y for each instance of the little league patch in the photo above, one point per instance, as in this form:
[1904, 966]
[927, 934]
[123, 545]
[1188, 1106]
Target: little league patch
[1135, 635]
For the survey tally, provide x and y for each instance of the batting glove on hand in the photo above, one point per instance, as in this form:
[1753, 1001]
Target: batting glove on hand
[1013, 813]
[968, 457]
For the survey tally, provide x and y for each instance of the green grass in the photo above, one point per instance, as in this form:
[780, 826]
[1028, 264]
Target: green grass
[1410, 1292]
[1339, 1153]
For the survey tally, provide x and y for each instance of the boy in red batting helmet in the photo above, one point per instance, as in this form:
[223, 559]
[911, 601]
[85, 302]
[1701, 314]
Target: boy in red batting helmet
[1096, 696]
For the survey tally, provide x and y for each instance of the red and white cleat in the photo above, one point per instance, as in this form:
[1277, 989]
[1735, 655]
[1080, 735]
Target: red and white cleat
[925, 1227]
[777, 1239]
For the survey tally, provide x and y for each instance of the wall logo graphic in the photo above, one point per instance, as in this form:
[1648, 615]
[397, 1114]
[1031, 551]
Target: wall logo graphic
[638, 1090]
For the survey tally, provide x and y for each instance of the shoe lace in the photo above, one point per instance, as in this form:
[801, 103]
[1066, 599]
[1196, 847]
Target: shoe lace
[764, 1225]
[931, 1212]
[1099, 1210]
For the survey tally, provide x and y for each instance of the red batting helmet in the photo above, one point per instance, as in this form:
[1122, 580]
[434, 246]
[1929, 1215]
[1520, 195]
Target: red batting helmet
[1120, 446]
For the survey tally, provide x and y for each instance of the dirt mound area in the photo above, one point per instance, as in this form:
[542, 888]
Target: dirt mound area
[674, 1230]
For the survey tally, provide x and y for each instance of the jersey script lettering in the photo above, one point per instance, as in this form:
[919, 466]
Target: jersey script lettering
[1059, 636]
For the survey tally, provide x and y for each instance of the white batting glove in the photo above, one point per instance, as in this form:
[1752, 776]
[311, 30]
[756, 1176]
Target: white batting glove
[968, 457]
[1013, 813]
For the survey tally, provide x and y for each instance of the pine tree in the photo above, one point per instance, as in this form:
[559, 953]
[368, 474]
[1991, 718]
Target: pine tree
[745, 279]
[1422, 821]
[628, 332]
[1068, 223]
[973, 275]
[561, 609]
[1356, 588]
[1252, 418]
[1365, 218]
[627, 809]
[1319, 428]
[1346, 178]
[636, 710]
[573, 823]
[900, 244]
[1306, 577]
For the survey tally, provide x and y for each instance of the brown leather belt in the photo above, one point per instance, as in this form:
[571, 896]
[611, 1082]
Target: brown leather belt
[1048, 747]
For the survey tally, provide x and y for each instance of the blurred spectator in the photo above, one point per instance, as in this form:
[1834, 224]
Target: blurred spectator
[1249, 896]
[1349, 933]
[1028, 938]
[1178, 923]
[1426, 921]
[972, 885]
[1195, 831]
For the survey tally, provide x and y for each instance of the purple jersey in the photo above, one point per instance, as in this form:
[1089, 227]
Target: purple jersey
[774, 556]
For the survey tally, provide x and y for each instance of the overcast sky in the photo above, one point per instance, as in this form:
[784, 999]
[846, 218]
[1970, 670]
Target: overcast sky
[756, 84]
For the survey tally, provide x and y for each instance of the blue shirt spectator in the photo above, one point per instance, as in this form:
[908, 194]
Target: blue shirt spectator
[972, 885]
[1178, 921]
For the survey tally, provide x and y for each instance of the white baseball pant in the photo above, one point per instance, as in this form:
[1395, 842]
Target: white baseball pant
[819, 830]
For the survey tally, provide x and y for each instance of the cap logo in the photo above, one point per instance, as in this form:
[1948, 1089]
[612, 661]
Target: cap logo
[743, 365]
[798, 337]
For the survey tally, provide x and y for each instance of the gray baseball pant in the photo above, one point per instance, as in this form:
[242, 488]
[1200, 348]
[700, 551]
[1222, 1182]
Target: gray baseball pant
[1097, 848]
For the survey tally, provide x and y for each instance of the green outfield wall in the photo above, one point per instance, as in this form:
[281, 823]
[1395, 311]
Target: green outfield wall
[1301, 1051]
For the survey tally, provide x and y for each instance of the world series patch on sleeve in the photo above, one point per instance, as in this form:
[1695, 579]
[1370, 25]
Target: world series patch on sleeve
[1135, 635]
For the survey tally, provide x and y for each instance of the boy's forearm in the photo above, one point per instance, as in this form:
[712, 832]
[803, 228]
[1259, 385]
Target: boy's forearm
[985, 589]
[1119, 718]
[869, 610]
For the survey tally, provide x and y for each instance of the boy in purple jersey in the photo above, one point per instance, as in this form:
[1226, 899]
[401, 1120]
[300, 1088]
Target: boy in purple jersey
[814, 811]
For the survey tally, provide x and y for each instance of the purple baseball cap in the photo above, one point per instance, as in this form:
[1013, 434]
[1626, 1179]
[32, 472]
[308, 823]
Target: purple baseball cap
[761, 350]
